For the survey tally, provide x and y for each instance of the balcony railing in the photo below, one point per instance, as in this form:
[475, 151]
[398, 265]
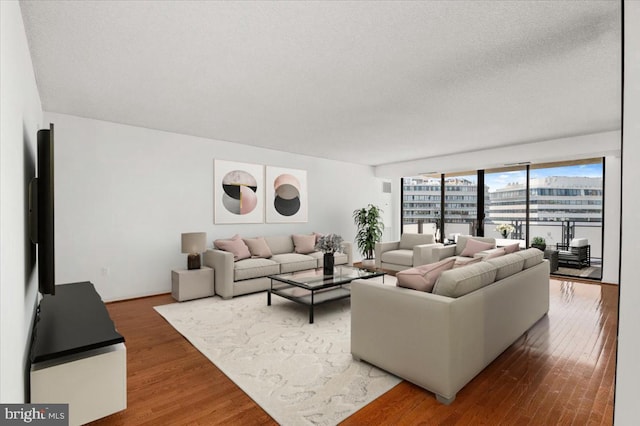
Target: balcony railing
[552, 232]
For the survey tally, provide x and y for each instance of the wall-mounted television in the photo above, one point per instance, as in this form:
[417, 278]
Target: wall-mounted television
[41, 212]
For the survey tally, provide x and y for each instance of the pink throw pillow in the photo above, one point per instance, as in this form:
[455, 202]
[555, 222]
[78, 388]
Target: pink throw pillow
[460, 263]
[304, 243]
[496, 253]
[234, 245]
[474, 246]
[258, 247]
[423, 278]
[318, 236]
[234, 238]
[512, 248]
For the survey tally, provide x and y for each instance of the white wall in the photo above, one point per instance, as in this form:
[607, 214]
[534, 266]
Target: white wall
[628, 370]
[606, 144]
[124, 195]
[20, 118]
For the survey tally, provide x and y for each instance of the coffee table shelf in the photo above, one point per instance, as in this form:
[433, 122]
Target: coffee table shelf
[312, 288]
[316, 297]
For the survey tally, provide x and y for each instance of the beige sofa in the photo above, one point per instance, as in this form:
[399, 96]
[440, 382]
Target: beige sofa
[442, 340]
[456, 250]
[412, 250]
[233, 278]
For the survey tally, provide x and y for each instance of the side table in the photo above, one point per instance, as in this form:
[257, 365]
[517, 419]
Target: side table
[552, 255]
[187, 284]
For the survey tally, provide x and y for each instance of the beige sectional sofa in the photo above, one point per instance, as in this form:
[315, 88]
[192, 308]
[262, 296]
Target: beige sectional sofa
[457, 250]
[442, 340]
[236, 277]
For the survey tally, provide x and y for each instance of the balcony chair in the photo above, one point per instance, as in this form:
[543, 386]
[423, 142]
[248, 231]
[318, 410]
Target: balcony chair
[577, 254]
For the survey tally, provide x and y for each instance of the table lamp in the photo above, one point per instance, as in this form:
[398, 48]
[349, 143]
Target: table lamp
[194, 243]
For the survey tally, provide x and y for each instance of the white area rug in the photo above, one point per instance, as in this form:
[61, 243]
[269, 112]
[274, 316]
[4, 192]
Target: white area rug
[299, 373]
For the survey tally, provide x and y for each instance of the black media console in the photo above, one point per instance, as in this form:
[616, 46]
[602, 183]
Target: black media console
[73, 321]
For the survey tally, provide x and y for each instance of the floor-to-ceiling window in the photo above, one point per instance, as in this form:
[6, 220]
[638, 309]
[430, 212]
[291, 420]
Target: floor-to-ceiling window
[506, 203]
[559, 202]
[421, 201]
[461, 204]
[566, 203]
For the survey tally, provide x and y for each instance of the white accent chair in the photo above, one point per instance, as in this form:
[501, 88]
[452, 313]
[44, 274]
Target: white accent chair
[412, 250]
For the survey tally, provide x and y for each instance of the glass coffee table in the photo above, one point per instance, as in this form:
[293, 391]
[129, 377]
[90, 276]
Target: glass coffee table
[312, 288]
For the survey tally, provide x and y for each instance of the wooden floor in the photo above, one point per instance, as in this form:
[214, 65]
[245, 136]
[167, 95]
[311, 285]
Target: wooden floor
[561, 372]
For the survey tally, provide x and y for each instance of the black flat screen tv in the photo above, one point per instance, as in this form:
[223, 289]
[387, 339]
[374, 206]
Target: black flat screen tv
[42, 212]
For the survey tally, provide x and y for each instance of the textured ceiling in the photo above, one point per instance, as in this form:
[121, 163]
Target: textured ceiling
[365, 82]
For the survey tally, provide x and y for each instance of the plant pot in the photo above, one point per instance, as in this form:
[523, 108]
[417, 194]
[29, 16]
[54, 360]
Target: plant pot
[329, 262]
[368, 263]
[541, 247]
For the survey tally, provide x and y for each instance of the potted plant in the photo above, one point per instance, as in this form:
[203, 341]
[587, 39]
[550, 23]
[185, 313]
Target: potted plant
[539, 243]
[329, 244]
[368, 220]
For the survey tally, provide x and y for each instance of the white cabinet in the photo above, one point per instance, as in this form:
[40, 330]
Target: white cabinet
[93, 383]
[187, 284]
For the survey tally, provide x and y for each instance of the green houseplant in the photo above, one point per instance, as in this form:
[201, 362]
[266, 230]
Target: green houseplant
[539, 243]
[369, 223]
[329, 244]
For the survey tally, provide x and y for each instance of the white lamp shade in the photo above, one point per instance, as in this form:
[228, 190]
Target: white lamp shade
[194, 242]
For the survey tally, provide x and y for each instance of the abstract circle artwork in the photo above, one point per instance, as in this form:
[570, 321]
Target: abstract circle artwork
[287, 195]
[240, 192]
